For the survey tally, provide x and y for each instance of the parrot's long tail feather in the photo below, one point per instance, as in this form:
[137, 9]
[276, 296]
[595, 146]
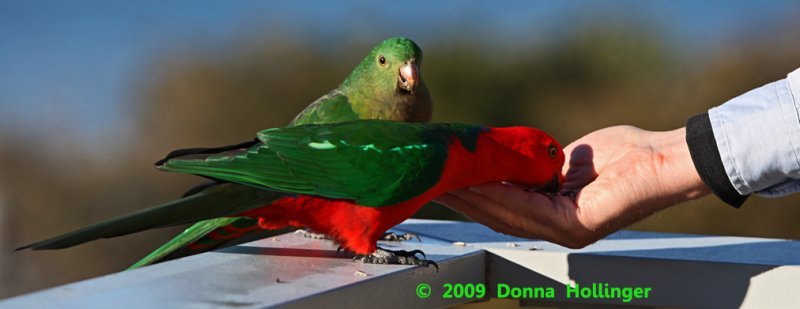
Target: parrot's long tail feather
[217, 201]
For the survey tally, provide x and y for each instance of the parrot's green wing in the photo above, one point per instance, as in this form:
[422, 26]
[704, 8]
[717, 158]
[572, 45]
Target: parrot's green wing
[372, 162]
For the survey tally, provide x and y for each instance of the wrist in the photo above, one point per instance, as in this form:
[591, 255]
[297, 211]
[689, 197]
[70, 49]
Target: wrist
[677, 172]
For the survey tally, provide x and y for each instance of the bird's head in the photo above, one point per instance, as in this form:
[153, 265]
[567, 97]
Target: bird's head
[390, 74]
[395, 62]
[532, 157]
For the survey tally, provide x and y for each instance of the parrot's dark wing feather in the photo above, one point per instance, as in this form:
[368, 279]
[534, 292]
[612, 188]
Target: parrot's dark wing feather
[211, 203]
[190, 151]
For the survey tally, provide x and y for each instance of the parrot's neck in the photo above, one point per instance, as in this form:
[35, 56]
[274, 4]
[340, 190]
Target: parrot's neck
[490, 162]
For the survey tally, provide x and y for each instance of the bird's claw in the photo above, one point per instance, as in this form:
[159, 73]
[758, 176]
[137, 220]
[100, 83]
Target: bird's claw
[412, 253]
[398, 257]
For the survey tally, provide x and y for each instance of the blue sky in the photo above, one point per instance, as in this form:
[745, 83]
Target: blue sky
[73, 65]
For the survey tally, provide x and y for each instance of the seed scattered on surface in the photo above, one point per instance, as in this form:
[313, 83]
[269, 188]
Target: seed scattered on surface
[534, 248]
[511, 245]
[275, 239]
[361, 273]
[459, 243]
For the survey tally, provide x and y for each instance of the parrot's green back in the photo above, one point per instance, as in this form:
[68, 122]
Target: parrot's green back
[372, 162]
[371, 91]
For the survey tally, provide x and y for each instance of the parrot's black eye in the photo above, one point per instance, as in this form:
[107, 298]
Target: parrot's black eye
[552, 151]
[382, 60]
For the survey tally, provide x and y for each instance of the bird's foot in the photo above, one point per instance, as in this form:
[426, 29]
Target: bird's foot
[312, 235]
[392, 236]
[396, 257]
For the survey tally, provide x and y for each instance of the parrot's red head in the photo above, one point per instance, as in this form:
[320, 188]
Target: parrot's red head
[534, 158]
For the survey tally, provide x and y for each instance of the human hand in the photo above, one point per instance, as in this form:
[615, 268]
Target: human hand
[615, 177]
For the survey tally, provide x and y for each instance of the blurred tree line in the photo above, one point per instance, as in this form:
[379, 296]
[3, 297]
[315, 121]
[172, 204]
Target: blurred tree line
[588, 79]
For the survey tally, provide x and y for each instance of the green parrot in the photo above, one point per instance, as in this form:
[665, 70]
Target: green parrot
[387, 85]
[352, 180]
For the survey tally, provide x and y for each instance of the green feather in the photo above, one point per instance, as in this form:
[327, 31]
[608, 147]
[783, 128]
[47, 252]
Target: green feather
[332, 107]
[372, 162]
